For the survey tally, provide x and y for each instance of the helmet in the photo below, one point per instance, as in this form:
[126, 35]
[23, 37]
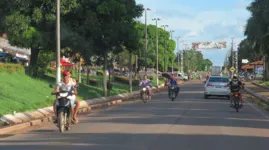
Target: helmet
[234, 77]
[65, 73]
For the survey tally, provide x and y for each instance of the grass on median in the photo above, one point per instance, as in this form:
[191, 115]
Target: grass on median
[255, 100]
[264, 83]
[20, 92]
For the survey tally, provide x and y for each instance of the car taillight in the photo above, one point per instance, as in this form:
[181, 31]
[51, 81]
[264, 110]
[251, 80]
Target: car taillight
[236, 95]
[209, 84]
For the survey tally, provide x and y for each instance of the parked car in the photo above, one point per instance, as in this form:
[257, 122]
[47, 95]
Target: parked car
[6, 57]
[217, 86]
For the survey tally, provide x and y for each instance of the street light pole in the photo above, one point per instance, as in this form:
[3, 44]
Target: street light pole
[146, 38]
[58, 47]
[171, 31]
[164, 26]
[182, 57]
[178, 53]
[232, 55]
[157, 51]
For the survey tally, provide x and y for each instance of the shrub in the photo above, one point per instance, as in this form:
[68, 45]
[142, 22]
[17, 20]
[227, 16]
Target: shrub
[100, 72]
[125, 80]
[11, 68]
[93, 82]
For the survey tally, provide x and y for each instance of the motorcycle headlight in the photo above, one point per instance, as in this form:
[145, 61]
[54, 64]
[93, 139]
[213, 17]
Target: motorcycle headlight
[144, 89]
[63, 94]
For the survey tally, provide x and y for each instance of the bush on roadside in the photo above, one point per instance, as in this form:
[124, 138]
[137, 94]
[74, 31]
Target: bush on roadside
[125, 80]
[93, 82]
[11, 68]
[100, 72]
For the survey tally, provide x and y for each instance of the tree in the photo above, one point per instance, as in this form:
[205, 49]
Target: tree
[257, 30]
[31, 24]
[104, 23]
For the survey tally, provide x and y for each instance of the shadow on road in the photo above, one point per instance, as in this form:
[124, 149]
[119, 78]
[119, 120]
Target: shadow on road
[121, 141]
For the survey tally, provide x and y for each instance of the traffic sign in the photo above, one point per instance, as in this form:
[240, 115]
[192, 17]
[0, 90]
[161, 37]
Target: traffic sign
[232, 69]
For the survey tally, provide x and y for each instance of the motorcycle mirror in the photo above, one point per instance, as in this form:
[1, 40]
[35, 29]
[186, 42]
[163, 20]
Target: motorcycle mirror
[51, 86]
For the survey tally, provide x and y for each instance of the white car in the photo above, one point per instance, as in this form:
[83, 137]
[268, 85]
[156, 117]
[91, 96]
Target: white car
[217, 86]
[182, 76]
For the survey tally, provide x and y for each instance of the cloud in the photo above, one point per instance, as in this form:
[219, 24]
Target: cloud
[207, 24]
[192, 34]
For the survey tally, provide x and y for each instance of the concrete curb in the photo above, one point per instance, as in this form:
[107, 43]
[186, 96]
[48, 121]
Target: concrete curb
[260, 97]
[25, 120]
[261, 86]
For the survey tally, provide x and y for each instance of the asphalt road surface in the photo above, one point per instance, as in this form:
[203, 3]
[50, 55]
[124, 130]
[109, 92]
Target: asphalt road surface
[189, 123]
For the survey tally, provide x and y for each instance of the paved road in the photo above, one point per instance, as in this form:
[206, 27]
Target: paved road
[189, 123]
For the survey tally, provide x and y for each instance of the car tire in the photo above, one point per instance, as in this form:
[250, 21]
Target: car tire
[205, 96]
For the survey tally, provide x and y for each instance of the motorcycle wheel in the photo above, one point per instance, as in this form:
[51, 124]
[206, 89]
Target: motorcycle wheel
[61, 120]
[144, 98]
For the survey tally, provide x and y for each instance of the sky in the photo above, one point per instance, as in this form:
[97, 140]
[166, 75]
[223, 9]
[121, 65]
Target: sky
[201, 21]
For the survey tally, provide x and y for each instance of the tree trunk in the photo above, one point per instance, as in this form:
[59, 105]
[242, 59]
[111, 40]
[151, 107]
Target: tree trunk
[88, 74]
[266, 68]
[104, 75]
[130, 72]
[79, 71]
[136, 67]
[33, 62]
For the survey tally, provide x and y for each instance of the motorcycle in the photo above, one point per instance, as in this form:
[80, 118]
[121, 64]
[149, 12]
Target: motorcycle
[172, 95]
[236, 101]
[145, 94]
[64, 109]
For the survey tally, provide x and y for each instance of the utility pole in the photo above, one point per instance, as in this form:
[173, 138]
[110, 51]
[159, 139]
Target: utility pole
[146, 38]
[157, 51]
[232, 55]
[171, 32]
[182, 57]
[178, 53]
[58, 41]
[164, 26]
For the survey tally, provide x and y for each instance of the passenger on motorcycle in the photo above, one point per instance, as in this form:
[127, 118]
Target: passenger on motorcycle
[70, 84]
[146, 83]
[173, 81]
[235, 87]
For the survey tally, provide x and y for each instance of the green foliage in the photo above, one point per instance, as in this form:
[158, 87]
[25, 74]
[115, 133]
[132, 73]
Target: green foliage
[44, 59]
[100, 72]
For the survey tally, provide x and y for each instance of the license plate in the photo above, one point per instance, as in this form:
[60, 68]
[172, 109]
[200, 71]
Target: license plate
[218, 86]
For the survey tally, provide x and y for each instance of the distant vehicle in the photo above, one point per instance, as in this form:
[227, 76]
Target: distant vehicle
[216, 70]
[6, 57]
[182, 76]
[217, 86]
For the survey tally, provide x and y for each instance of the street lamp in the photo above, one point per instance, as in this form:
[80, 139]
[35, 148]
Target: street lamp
[58, 69]
[178, 52]
[171, 32]
[146, 38]
[157, 51]
[164, 26]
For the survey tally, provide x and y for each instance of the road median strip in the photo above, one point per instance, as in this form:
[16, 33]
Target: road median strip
[23, 120]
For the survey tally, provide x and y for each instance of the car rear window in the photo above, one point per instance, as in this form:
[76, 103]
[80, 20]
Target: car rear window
[222, 80]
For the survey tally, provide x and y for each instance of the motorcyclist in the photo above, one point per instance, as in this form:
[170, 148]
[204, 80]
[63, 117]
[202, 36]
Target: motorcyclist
[146, 83]
[70, 84]
[173, 81]
[235, 87]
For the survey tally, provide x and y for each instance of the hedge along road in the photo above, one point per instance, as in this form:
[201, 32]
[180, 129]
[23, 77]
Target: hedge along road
[190, 122]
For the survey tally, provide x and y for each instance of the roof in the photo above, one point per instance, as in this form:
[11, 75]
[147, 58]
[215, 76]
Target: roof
[247, 66]
[260, 62]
